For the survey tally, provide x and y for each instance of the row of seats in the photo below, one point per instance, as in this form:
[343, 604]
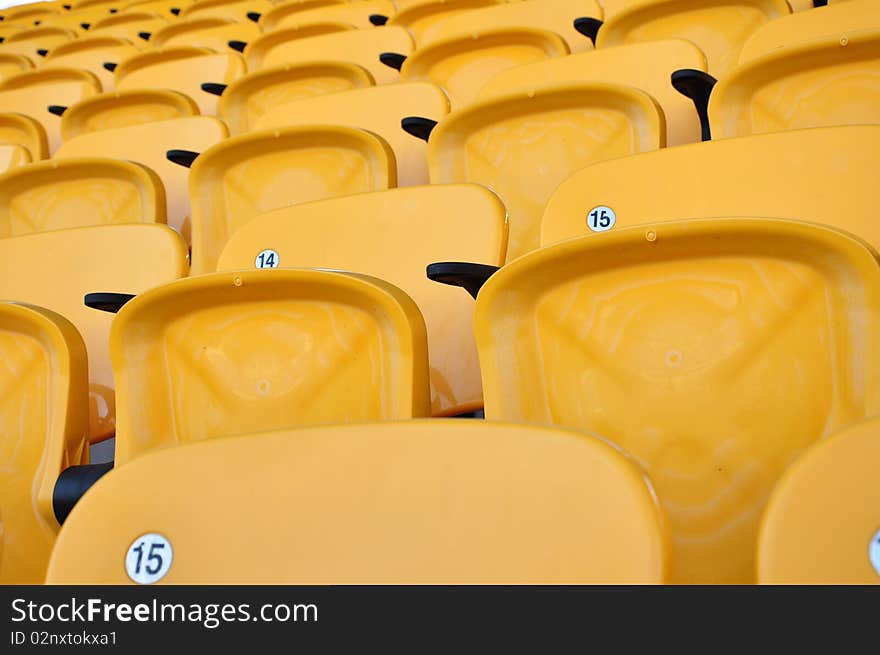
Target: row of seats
[204, 164]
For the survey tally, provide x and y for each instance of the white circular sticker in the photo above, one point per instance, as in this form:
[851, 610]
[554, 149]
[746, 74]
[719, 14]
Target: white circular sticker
[148, 558]
[601, 218]
[874, 552]
[267, 259]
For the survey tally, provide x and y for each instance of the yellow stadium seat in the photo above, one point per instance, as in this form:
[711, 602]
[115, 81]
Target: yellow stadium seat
[219, 354]
[28, 14]
[461, 65]
[256, 50]
[253, 173]
[112, 258]
[24, 131]
[148, 144]
[718, 27]
[44, 427]
[35, 92]
[55, 195]
[282, 11]
[128, 25]
[209, 32]
[182, 69]
[362, 47]
[249, 97]
[462, 222]
[168, 9]
[8, 30]
[523, 144]
[646, 66]
[421, 15]
[789, 175]
[11, 64]
[361, 14]
[830, 80]
[79, 21]
[791, 30]
[822, 523]
[123, 108]
[90, 53]
[80, 5]
[715, 351]
[380, 110]
[236, 10]
[37, 42]
[408, 502]
[551, 15]
[13, 156]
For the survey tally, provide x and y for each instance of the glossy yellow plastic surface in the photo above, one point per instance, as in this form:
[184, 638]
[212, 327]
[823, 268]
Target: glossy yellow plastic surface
[59, 194]
[161, 7]
[552, 15]
[31, 93]
[246, 175]
[24, 131]
[822, 523]
[12, 64]
[834, 80]
[251, 96]
[123, 108]
[27, 14]
[90, 53]
[361, 47]
[646, 66]
[352, 13]
[27, 42]
[523, 144]
[182, 69]
[13, 156]
[213, 33]
[461, 65]
[73, 20]
[257, 49]
[421, 15]
[43, 430]
[379, 110]
[114, 258]
[787, 175]
[221, 354]
[236, 10]
[718, 27]
[421, 225]
[714, 351]
[433, 501]
[798, 28]
[147, 144]
[283, 11]
[128, 25]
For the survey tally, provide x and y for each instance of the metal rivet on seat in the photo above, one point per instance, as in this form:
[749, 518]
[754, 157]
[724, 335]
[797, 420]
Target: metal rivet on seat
[236, 281]
[651, 236]
[844, 40]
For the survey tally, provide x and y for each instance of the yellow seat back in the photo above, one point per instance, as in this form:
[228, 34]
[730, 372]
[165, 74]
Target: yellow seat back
[715, 351]
[246, 175]
[111, 258]
[258, 49]
[822, 524]
[13, 64]
[787, 175]
[43, 430]
[236, 10]
[128, 25]
[272, 19]
[13, 156]
[90, 53]
[421, 15]
[147, 144]
[221, 354]
[351, 13]
[251, 96]
[29, 42]
[24, 131]
[420, 225]
[438, 501]
[380, 110]
[209, 32]
[523, 144]
[646, 66]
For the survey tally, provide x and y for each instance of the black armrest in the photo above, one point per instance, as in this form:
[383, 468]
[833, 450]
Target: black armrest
[378, 19]
[2, 39]
[238, 46]
[175, 11]
[58, 110]
[214, 88]
[697, 86]
[72, 484]
[42, 52]
[110, 66]
[419, 127]
[470, 277]
[107, 302]
[254, 16]
[183, 158]
[589, 27]
[392, 60]
[145, 35]
[820, 3]
[85, 26]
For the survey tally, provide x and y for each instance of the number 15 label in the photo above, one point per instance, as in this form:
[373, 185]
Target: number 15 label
[148, 558]
[601, 219]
